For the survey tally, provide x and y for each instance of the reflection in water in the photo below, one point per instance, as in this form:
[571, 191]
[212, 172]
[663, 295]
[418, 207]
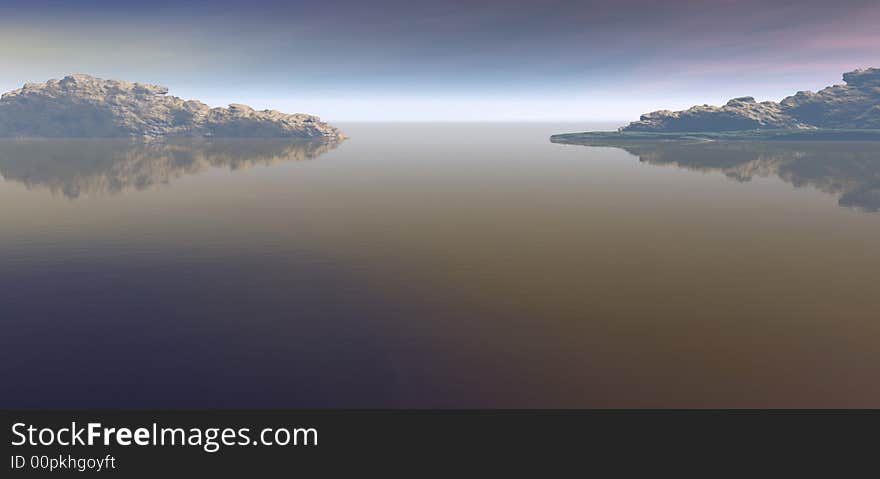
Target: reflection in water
[90, 167]
[471, 265]
[849, 170]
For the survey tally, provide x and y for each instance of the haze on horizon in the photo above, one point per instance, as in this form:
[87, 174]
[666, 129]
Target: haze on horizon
[454, 60]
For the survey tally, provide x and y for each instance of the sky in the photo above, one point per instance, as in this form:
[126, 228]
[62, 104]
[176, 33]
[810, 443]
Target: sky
[452, 60]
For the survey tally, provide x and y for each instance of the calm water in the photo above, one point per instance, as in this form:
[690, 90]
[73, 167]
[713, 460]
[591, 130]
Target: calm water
[439, 265]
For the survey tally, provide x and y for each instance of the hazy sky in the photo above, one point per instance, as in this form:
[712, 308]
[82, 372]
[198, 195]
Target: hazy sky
[447, 60]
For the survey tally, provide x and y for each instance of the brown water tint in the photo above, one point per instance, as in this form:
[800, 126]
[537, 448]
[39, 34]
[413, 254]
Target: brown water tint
[443, 265]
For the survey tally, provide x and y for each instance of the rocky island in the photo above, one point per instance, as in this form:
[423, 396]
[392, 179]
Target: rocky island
[846, 112]
[82, 106]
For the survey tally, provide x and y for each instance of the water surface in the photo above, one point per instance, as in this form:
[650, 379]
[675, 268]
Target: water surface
[439, 265]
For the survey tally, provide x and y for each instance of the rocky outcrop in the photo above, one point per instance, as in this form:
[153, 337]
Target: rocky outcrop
[84, 106]
[855, 105]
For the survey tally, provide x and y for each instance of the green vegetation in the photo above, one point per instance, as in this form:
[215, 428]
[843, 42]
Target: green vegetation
[604, 137]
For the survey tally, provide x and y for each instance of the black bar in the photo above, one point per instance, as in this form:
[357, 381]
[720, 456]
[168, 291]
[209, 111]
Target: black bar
[423, 441]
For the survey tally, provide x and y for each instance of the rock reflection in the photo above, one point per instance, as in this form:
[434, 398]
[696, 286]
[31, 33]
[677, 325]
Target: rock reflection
[79, 167]
[848, 170]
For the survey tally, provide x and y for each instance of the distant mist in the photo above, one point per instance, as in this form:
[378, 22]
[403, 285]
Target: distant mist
[447, 60]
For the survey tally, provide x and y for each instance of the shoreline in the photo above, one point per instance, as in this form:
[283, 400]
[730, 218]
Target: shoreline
[604, 137]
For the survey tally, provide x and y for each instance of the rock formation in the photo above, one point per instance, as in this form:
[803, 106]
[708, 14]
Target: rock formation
[855, 105]
[84, 106]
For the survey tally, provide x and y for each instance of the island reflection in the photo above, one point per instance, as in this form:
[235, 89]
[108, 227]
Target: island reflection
[848, 170]
[88, 167]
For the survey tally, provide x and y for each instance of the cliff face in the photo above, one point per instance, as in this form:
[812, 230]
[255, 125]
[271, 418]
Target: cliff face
[855, 105]
[84, 106]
